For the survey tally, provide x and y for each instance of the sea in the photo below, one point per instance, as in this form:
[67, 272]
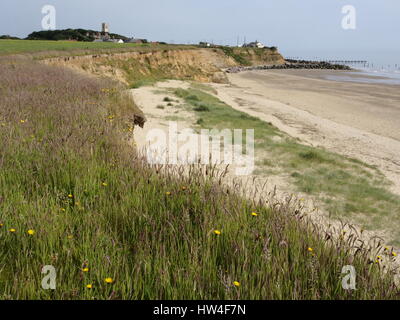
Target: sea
[380, 67]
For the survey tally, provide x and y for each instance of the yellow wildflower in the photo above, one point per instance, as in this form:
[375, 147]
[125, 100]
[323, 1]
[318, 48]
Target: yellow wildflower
[12, 230]
[236, 283]
[310, 249]
[31, 232]
[394, 254]
[217, 232]
[86, 269]
[254, 214]
[70, 196]
[104, 184]
[89, 286]
[108, 280]
[168, 193]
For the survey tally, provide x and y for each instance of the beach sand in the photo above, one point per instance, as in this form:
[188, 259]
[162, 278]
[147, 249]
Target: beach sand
[359, 120]
[356, 120]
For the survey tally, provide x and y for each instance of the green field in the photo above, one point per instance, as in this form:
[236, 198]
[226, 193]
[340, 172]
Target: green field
[8, 47]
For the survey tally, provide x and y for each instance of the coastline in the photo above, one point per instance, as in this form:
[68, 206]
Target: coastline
[357, 120]
[242, 94]
[309, 107]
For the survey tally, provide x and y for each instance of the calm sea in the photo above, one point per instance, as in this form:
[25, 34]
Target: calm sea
[380, 67]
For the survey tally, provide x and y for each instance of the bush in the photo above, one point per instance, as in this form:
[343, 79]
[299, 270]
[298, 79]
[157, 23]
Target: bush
[201, 107]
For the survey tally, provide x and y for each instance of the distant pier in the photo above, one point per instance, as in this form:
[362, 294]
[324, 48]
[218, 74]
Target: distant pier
[363, 63]
[346, 61]
[333, 61]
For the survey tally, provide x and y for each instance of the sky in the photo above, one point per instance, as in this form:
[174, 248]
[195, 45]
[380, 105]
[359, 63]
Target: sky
[310, 28]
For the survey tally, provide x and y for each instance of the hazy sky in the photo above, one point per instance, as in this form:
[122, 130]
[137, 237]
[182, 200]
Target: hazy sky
[294, 26]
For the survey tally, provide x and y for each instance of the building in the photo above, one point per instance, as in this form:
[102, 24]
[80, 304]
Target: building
[205, 44]
[255, 44]
[104, 35]
[138, 41]
[114, 40]
[105, 28]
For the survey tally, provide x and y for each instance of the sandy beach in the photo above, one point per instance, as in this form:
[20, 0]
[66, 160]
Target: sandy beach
[360, 120]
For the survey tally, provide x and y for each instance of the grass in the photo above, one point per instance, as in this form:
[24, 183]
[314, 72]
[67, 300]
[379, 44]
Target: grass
[141, 72]
[99, 211]
[347, 188]
[239, 57]
[45, 49]
[252, 56]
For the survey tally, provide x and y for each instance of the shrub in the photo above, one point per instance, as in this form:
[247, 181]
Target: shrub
[201, 107]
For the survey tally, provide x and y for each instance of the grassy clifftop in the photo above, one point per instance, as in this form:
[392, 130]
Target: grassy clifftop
[43, 49]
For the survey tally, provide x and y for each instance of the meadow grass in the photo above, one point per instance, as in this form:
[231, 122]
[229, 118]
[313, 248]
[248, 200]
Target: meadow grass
[348, 188]
[46, 49]
[97, 210]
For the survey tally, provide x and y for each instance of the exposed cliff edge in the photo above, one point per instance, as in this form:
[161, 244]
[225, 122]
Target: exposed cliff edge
[138, 68]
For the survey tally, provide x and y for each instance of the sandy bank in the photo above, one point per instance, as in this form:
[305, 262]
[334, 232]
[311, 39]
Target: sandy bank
[354, 119]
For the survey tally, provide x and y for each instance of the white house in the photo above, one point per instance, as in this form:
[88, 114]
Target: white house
[116, 40]
[255, 44]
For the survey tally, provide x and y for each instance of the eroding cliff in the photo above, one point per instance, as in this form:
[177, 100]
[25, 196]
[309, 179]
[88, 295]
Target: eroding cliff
[138, 68]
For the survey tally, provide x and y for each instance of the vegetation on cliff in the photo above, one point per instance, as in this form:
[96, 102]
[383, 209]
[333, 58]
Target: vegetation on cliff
[75, 195]
[254, 56]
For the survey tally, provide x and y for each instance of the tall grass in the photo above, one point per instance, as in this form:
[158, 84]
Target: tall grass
[98, 210]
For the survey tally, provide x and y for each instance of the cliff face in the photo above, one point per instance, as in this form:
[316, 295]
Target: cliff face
[136, 68]
[260, 56]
